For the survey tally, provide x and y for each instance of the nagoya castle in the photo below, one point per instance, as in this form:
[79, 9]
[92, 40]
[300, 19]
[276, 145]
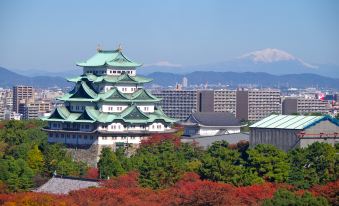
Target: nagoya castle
[108, 107]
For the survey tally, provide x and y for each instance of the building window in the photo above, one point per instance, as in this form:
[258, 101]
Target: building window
[104, 138]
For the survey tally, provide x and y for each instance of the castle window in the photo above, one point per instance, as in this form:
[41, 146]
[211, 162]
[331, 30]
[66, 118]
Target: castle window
[92, 137]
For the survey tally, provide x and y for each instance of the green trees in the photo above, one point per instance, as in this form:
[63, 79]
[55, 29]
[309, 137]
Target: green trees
[108, 164]
[312, 165]
[26, 158]
[285, 197]
[269, 162]
[227, 165]
[35, 159]
[16, 174]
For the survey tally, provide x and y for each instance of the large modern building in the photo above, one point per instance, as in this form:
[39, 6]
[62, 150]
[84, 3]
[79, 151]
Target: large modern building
[20, 93]
[254, 105]
[178, 103]
[303, 105]
[292, 131]
[108, 106]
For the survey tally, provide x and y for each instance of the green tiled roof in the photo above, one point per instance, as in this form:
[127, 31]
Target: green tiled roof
[130, 115]
[82, 93]
[113, 58]
[124, 78]
[85, 93]
[288, 121]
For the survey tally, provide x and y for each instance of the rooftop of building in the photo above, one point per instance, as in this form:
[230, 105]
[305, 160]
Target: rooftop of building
[63, 185]
[114, 58]
[212, 119]
[205, 141]
[291, 121]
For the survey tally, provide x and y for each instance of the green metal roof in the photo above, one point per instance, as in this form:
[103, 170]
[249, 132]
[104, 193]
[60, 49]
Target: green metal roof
[113, 58]
[124, 78]
[130, 115]
[287, 121]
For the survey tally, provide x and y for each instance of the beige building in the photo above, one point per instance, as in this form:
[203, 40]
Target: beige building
[303, 105]
[25, 93]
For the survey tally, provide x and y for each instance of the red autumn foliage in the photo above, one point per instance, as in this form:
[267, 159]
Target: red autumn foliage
[92, 173]
[30, 198]
[254, 194]
[330, 191]
[129, 180]
[189, 190]
[157, 139]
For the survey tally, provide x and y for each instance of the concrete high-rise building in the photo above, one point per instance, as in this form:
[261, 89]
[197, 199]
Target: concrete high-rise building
[22, 93]
[254, 105]
[184, 82]
[29, 111]
[178, 104]
[303, 105]
[217, 101]
[225, 101]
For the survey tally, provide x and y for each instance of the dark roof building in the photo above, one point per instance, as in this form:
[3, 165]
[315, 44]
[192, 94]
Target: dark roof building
[210, 124]
[206, 141]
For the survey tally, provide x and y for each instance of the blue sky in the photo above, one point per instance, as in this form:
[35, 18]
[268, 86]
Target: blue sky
[54, 35]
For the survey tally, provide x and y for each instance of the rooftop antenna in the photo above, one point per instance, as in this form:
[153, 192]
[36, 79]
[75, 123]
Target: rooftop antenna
[98, 48]
[119, 47]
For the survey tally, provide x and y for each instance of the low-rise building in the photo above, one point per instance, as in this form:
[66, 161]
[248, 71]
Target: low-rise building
[210, 124]
[287, 132]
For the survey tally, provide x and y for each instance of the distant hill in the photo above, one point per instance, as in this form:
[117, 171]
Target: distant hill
[9, 79]
[238, 78]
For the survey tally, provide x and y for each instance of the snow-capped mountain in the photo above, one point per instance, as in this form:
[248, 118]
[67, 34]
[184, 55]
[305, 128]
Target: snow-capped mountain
[269, 60]
[270, 55]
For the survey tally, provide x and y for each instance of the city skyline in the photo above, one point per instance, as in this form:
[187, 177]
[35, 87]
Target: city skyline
[45, 35]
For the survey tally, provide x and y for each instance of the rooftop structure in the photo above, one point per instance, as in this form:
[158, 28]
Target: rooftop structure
[211, 123]
[63, 185]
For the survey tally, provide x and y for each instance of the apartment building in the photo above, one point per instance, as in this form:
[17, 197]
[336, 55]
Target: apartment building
[302, 105]
[21, 93]
[178, 104]
[256, 104]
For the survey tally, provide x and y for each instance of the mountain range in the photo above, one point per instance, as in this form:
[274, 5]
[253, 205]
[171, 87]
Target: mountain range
[268, 67]
[9, 79]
